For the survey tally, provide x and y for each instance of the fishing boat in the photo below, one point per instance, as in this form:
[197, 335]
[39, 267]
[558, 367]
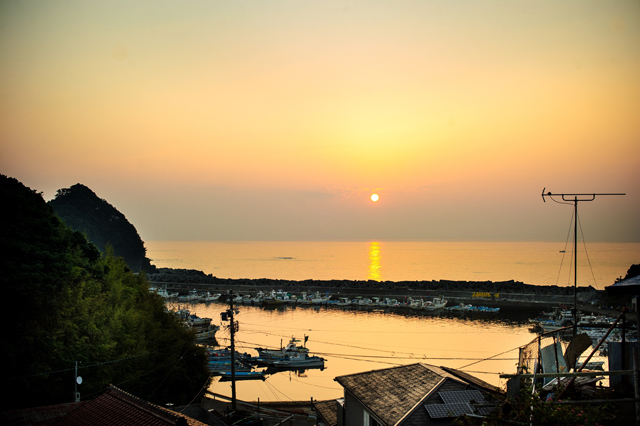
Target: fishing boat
[271, 299]
[344, 301]
[203, 327]
[365, 301]
[317, 299]
[208, 297]
[415, 304]
[291, 348]
[435, 304]
[164, 293]
[259, 297]
[304, 299]
[299, 360]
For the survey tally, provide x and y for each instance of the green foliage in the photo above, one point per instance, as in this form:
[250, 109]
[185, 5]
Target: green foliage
[528, 409]
[73, 304]
[81, 209]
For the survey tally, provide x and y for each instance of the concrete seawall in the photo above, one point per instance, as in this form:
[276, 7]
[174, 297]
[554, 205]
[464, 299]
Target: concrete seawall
[503, 294]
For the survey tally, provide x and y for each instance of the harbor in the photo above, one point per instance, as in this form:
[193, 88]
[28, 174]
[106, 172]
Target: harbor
[509, 295]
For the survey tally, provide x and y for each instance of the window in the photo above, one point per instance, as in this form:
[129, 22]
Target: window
[368, 420]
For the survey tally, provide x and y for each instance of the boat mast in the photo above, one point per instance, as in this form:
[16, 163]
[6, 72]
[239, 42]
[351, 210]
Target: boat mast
[565, 198]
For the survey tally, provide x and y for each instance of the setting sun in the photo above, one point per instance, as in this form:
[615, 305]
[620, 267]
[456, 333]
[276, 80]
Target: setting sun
[374, 197]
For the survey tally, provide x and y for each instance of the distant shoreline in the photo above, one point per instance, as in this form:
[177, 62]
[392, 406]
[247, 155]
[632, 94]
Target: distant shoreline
[502, 294]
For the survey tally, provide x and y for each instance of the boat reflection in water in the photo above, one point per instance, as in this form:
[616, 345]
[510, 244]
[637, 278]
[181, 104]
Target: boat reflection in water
[352, 341]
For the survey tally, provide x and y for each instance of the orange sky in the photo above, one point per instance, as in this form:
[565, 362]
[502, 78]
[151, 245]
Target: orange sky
[277, 119]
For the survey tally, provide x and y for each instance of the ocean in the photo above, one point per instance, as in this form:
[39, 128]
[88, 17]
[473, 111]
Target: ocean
[353, 340]
[539, 263]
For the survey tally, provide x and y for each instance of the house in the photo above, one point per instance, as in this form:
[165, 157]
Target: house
[409, 395]
[114, 408]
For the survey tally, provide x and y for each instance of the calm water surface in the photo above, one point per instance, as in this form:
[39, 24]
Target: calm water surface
[531, 263]
[354, 341]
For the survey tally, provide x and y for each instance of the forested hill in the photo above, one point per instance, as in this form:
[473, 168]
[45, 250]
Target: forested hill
[68, 304]
[82, 210]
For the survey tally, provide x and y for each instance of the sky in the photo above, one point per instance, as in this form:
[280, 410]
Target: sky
[277, 120]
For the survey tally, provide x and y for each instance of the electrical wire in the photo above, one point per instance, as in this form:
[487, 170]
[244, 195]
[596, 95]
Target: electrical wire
[486, 359]
[205, 385]
[92, 365]
[587, 254]
[566, 243]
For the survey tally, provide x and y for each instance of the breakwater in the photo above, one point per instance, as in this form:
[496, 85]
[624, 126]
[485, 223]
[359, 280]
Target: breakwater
[503, 294]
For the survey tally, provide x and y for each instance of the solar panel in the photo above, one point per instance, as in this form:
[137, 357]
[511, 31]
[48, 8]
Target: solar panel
[451, 397]
[442, 411]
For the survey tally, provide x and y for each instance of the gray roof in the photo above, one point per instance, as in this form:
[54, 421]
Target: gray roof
[327, 410]
[397, 395]
[393, 393]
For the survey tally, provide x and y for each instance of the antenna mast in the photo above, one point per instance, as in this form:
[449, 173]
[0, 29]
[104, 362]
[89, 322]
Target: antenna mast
[575, 200]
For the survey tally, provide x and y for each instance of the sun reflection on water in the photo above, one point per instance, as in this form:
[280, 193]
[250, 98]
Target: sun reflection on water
[374, 261]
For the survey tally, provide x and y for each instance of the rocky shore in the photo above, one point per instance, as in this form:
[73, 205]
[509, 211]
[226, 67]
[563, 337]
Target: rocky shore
[502, 294]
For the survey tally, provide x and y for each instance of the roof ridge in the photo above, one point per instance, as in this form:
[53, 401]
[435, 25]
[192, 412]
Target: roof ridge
[146, 406]
[425, 396]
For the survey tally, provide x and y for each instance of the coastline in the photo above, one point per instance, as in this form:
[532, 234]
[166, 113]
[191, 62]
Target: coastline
[499, 294]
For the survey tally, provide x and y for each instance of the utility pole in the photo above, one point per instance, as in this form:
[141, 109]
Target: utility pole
[232, 329]
[76, 382]
[567, 198]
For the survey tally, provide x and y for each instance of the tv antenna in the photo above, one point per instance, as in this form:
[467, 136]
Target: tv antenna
[566, 198]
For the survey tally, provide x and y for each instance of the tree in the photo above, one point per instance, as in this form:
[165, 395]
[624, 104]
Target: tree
[77, 305]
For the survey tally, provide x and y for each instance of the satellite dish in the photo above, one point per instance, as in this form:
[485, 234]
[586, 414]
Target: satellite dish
[79, 380]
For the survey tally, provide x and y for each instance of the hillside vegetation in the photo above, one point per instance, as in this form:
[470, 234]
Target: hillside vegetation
[82, 210]
[69, 303]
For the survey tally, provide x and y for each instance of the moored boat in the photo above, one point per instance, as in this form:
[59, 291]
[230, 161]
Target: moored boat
[291, 348]
[299, 360]
[435, 304]
[208, 297]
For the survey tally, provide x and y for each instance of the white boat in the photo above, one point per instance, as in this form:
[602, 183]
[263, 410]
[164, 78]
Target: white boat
[208, 297]
[436, 303]
[291, 299]
[344, 301]
[317, 299]
[291, 348]
[258, 298]
[164, 293]
[392, 303]
[299, 360]
[415, 304]
[271, 299]
[304, 299]
[365, 301]
[201, 326]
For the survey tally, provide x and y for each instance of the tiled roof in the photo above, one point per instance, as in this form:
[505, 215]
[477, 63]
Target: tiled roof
[393, 393]
[328, 411]
[38, 416]
[118, 408]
